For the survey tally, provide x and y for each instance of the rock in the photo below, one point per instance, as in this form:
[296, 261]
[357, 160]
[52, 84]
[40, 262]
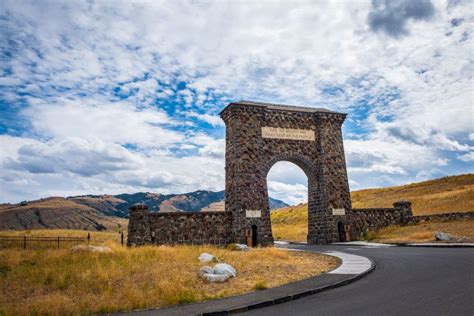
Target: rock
[443, 236]
[225, 269]
[206, 257]
[242, 247]
[463, 239]
[206, 270]
[215, 278]
[82, 248]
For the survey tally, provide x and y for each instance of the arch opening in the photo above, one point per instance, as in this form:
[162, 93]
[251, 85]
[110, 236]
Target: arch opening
[288, 182]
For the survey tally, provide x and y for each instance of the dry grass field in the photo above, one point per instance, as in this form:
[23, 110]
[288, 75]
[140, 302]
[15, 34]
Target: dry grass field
[449, 194]
[56, 212]
[290, 223]
[424, 232]
[59, 282]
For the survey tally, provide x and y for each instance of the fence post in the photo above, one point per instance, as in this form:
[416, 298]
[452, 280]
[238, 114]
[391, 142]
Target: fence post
[121, 237]
[58, 242]
[88, 238]
[24, 242]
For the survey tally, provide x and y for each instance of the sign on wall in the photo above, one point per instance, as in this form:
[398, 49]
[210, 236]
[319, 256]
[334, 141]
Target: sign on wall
[287, 133]
[253, 213]
[338, 211]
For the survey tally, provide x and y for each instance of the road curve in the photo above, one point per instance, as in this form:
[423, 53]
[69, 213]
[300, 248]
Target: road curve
[406, 281]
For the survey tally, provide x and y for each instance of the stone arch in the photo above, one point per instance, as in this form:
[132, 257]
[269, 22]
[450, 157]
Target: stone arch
[298, 159]
[307, 165]
[260, 134]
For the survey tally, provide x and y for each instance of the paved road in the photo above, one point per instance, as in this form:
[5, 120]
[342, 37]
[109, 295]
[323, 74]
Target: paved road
[406, 281]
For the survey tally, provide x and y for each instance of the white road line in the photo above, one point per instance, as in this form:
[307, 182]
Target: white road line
[364, 243]
[351, 264]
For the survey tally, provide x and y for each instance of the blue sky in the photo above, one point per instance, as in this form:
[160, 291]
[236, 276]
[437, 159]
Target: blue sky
[110, 97]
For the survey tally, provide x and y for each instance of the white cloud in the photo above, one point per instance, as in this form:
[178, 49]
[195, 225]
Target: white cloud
[213, 120]
[287, 182]
[116, 122]
[467, 157]
[391, 157]
[289, 193]
[77, 166]
[74, 155]
[106, 74]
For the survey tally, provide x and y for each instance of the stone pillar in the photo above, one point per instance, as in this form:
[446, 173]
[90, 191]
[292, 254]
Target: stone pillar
[137, 224]
[404, 209]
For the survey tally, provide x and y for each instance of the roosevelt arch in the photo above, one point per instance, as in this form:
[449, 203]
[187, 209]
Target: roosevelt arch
[260, 134]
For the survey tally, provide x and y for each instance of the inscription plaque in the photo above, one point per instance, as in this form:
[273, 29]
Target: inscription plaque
[338, 211]
[253, 213]
[287, 133]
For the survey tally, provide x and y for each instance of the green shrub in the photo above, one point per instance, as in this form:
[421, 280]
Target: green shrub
[371, 235]
[260, 286]
[231, 247]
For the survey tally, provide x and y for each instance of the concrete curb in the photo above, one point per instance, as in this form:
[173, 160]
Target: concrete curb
[419, 245]
[292, 288]
[294, 296]
[433, 245]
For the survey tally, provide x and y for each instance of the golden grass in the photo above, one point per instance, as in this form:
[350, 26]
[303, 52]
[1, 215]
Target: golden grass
[290, 223]
[449, 194]
[50, 203]
[61, 282]
[424, 232]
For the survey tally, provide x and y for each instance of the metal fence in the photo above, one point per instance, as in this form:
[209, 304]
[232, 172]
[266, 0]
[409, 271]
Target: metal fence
[29, 242]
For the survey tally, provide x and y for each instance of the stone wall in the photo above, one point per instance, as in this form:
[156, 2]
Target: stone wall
[443, 217]
[178, 228]
[365, 219]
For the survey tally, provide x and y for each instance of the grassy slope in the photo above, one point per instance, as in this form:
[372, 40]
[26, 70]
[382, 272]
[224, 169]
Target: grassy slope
[449, 194]
[424, 232]
[61, 282]
[56, 212]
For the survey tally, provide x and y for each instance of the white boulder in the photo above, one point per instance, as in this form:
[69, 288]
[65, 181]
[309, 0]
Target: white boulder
[206, 257]
[225, 269]
[206, 270]
[443, 236]
[215, 278]
[242, 247]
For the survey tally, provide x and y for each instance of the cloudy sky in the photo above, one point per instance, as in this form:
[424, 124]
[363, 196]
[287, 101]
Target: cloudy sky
[121, 96]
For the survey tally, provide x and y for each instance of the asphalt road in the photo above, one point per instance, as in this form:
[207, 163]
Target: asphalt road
[406, 281]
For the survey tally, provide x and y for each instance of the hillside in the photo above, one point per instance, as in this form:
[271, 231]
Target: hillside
[99, 212]
[56, 212]
[448, 194]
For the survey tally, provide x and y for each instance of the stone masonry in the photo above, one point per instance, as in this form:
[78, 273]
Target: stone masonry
[258, 135]
[250, 155]
[365, 219]
[178, 227]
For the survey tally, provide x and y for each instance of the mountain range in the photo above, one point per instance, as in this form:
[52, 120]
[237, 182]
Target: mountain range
[99, 212]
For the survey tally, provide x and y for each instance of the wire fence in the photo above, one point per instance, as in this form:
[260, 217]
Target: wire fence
[38, 242]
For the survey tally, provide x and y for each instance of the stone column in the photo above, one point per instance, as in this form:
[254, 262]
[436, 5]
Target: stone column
[404, 209]
[137, 224]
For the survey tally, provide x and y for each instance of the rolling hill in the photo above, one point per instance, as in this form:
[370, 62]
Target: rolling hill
[99, 212]
[56, 212]
[448, 194]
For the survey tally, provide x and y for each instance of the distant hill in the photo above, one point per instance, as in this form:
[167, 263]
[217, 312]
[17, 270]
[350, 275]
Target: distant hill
[98, 212]
[448, 194]
[56, 212]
